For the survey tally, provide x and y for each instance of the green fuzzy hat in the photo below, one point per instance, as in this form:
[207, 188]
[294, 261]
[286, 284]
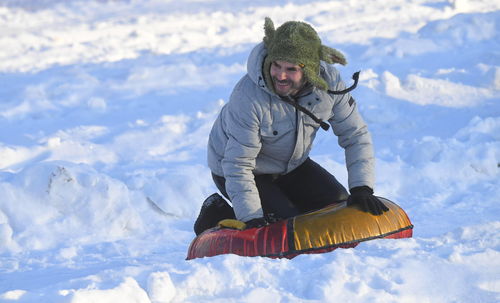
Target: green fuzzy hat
[298, 43]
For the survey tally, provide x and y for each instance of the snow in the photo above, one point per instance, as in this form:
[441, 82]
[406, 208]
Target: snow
[105, 109]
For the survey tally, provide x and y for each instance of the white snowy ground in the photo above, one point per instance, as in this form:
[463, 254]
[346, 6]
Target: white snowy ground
[105, 108]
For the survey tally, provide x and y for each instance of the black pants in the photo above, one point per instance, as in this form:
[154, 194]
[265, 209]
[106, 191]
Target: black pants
[306, 188]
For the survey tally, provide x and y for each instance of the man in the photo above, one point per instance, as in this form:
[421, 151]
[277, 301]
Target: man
[259, 146]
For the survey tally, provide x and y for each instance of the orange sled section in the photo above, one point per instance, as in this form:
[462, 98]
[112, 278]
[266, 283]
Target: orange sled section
[316, 232]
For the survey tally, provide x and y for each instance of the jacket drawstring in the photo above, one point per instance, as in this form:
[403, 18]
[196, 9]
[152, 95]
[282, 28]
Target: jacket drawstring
[294, 103]
[355, 77]
[322, 123]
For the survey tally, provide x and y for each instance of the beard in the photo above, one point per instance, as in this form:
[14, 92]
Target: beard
[293, 87]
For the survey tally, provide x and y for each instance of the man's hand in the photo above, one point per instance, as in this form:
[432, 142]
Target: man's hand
[257, 222]
[236, 224]
[363, 197]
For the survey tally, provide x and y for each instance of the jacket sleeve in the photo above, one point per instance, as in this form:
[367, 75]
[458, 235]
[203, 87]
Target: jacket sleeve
[354, 137]
[243, 145]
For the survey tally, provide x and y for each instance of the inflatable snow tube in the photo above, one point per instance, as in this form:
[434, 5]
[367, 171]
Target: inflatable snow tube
[316, 232]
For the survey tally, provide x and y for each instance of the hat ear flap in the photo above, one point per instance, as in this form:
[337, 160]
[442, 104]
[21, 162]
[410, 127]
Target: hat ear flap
[269, 31]
[331, 55]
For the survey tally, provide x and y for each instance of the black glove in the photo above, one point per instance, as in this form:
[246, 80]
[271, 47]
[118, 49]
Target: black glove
[257, 222]
[363, 197]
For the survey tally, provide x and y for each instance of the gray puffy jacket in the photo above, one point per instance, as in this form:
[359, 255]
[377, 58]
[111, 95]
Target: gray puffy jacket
[258, 133]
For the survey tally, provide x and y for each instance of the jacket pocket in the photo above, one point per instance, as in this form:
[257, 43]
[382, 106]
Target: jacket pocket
[277, 131]
[278, 141]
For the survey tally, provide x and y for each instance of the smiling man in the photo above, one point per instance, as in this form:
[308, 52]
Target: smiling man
[259, 146]
[288, 78]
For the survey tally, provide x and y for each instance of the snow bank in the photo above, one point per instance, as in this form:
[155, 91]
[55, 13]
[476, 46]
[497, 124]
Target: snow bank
[59, 203]
[128, 292]
[160, 287]
[109, 31]
[424, 91]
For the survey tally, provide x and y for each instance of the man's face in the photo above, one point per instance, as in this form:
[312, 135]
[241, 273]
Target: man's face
[288, 78]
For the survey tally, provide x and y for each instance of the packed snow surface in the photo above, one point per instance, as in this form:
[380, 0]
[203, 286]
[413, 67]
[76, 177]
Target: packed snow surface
[105, 110]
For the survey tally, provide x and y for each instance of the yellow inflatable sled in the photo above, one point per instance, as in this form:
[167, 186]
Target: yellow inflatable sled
[316, 232]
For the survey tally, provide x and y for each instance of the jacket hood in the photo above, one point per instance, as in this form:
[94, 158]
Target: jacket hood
[255, 64]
